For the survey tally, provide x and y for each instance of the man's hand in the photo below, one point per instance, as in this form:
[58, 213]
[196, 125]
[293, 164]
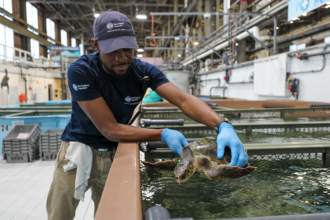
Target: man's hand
[228, 138]
[174, 139]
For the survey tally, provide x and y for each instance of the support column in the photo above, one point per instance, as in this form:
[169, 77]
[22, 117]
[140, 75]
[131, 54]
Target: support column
[217, 18]
[174, 23]
[58, 28]
[168, 34]
[241, 53]
[200, 18]
[186, 42]
[207, 22]
[225, 10]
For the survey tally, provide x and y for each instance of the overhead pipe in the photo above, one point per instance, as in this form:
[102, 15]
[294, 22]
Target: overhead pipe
[254, 30]
[298, 36]
[281, 5]
[265, 5]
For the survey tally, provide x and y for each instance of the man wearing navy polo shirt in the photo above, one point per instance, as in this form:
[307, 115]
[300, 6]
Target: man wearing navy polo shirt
[105, 88]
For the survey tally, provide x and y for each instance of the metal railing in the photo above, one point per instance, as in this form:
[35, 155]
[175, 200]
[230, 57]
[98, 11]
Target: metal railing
[25, 58]
[317, 112]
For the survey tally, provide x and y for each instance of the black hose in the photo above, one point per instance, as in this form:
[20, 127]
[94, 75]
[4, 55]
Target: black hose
[319, 105]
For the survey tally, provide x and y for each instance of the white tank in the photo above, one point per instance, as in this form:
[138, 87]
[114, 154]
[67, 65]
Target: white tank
[179, 78]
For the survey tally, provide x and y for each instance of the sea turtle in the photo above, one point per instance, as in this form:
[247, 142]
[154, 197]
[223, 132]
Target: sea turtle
[201, 156]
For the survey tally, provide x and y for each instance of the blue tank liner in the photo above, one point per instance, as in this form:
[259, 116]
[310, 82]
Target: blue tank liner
[12, 106]
[204, 98]
[44, 122]
[68, 102]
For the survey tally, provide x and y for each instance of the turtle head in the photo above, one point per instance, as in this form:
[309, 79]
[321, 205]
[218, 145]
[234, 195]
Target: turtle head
[185, 168]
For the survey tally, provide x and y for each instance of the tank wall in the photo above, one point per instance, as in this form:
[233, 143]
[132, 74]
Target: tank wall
[179, 78]
[313, 85]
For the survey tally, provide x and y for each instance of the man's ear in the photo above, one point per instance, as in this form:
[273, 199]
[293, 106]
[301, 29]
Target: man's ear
[95, 44]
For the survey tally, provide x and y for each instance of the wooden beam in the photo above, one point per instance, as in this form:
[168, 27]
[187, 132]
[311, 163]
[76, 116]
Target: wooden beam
[23, 26]
[22, 30]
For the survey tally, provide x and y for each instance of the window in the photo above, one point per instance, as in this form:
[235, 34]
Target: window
[32, 19]
[50, 25]
[81, 49]
[35, 50]
[64, 38]
[8, 6]
[7, 38]
[32, 15]
[73, 42]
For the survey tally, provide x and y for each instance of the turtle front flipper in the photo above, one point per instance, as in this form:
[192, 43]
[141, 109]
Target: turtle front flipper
[163, 165]
[227, 172]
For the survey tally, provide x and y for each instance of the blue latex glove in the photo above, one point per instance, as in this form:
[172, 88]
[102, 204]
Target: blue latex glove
[174, 139]
[228, 138]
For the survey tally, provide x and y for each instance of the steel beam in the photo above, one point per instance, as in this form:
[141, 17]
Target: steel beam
[90, 3]
[178, 25]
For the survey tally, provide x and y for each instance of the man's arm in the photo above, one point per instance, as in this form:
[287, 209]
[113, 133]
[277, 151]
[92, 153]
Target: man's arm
[190, 105]
[100, 114]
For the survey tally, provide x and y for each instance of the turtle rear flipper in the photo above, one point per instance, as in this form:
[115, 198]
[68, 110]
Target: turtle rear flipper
[164, 165]
[227, 172]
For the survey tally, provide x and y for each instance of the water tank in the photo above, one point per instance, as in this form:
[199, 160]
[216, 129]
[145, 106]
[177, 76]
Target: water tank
[179, 78]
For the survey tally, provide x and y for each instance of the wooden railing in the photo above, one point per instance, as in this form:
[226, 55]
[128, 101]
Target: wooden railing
[121, 198]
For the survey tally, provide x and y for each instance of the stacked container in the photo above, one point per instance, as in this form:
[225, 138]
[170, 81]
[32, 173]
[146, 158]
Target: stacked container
[50, 143]
[21, 144]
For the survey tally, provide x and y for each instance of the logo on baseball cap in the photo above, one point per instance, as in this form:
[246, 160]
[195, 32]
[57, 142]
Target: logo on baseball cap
[113, 31]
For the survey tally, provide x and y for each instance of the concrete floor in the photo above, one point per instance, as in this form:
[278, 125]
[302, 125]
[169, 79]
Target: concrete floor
[24, 188]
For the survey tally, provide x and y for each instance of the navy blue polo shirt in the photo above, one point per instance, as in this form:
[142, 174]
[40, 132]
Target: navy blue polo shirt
[87, 81]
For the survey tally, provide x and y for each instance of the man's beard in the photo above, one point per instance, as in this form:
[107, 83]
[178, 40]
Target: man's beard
[113, 73]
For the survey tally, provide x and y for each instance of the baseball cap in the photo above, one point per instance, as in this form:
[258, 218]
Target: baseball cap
[113, 31]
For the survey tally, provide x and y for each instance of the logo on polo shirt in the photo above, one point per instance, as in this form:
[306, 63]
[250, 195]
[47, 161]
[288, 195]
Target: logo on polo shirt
[80, 87]
[110, 26]
[75, 87]
[128, 99]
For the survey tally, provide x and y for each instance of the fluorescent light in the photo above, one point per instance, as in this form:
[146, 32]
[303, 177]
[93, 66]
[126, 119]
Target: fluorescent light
[141, 16]
[196, 43]
[304, 14]
[277, 27]
[236, 44]
[179, 55]
[96, 15]
[139, 55]
[140, 50]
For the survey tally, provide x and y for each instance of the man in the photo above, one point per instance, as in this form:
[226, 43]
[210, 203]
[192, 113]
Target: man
[105, 89]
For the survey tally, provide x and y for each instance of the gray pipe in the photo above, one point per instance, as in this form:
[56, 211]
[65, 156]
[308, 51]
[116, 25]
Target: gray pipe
[298, 36]
[157, 213]
[148, 122]
[152, 109]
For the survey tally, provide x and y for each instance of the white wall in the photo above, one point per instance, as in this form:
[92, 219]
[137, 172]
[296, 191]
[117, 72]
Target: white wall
[37, 79]
[313, 86]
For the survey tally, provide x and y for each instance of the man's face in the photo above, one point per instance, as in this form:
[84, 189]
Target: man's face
[116, 63]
